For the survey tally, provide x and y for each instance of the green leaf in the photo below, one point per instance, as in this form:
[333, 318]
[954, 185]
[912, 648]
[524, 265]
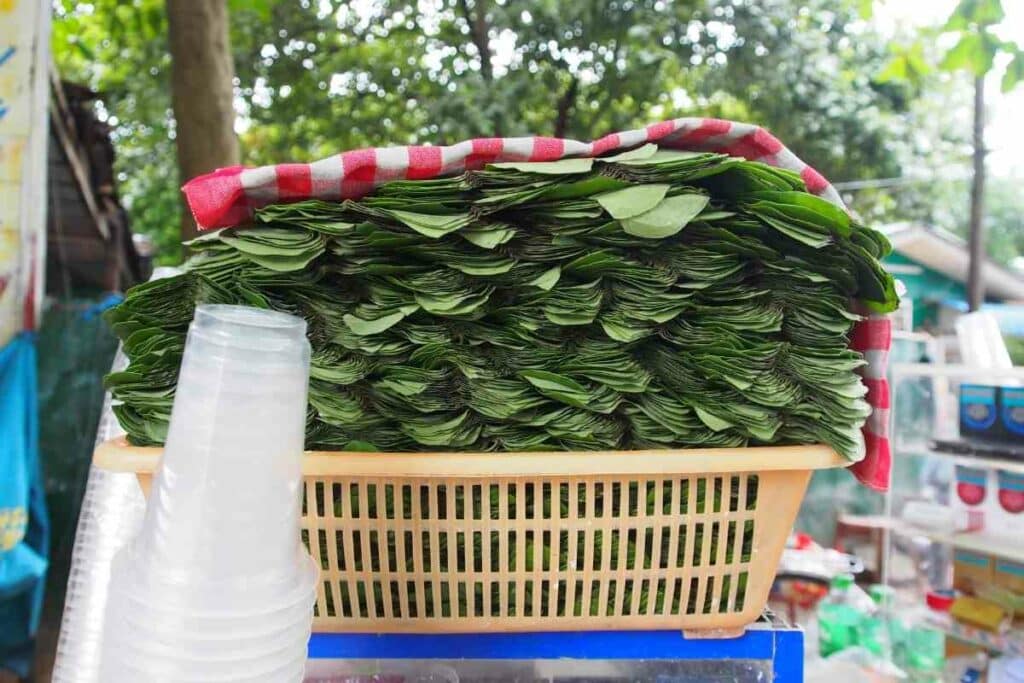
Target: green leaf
[547, 279]
[355, 446]
[558, 387]
[897, 69]
[262, 8]
[367, 327]
[973, 53]
[978, 13]
[429, 224]
[560, 167]
[1014, 72]
[632, 201]
[668, 218]
[645, 151]
[713, 422]
[488, 238]
[84, 50]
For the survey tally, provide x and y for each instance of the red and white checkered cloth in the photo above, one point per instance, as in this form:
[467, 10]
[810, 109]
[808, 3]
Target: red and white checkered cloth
[228, 197]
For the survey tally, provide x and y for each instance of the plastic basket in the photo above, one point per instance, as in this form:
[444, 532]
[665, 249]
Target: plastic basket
[473, 542]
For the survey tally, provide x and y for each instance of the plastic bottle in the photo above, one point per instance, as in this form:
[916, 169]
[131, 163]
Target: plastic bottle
[839, 616]
[925, 654]
[873, 629]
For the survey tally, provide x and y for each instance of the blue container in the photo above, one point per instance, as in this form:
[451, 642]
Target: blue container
[978, 412]
[1011, 413]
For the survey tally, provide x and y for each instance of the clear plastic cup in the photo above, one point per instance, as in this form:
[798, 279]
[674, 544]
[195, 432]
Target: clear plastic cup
[285, 641]
[134, 669]
[226, 498]
[230, 600]
[216, 586]
[214, 632]
[212, 660]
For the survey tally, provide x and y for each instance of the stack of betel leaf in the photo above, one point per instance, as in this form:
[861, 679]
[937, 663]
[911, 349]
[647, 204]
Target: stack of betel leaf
[652, 299]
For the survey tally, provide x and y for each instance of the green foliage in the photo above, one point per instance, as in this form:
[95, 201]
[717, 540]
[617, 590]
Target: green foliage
[943, 201]
[120, 50]
[908, 64]
[1015, 346]
[974, 14]
[1014, 71]
[974, 52]
[807, 72]
[315, 78]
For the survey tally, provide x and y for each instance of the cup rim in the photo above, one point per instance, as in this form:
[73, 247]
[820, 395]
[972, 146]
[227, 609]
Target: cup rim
[249, 316]
[247, 328]
[141, 666]
[128, 577]
[227, 614]
[144, 645]
[299, 614]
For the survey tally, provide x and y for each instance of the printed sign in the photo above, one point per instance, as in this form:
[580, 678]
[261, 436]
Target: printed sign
[24, 30]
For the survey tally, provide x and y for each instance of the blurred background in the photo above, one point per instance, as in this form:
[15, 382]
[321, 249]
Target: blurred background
[911, 108]
[867, 92]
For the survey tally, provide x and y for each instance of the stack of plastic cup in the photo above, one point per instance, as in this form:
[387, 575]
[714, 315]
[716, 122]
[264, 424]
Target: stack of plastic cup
[111, 515]
[217, 586]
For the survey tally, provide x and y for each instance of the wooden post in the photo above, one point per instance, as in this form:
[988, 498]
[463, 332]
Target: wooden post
[976, 234]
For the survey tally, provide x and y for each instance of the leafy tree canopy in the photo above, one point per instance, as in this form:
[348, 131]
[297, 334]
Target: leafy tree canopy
[315, 78]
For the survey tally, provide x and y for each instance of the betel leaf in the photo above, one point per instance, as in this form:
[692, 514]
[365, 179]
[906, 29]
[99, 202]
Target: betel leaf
[558, 387]
[667, 218]
[645, 151]
[808, 208]
[713, 422]
[547, 279]
[545, 306]
[428, 224]
[488, 238]
[562, 167]
[367, 327]
[632, 201]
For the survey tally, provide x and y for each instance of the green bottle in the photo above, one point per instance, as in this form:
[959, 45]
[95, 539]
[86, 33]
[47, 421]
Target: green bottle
[838, 617]
[875, 631]
[925, 654]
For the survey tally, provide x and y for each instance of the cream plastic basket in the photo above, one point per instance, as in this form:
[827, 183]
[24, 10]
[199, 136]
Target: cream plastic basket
[473, 542]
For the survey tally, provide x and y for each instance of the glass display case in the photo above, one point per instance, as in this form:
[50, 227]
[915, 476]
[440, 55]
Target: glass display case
[956, 503]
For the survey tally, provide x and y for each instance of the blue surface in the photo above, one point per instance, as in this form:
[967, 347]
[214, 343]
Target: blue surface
[788, 659]
[783, 646]
[1009, 316]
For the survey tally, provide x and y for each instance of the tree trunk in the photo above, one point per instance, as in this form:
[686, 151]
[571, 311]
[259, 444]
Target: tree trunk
[479, 32]
[202, 90]
[564, 109]
[976, 234]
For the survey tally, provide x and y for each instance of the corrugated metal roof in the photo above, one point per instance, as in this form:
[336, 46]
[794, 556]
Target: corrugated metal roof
[946, 253]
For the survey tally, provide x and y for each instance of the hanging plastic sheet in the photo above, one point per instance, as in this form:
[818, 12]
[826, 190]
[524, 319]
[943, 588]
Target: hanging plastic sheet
[23, 523]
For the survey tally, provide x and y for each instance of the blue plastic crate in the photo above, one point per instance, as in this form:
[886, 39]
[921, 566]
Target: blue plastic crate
[769, 650]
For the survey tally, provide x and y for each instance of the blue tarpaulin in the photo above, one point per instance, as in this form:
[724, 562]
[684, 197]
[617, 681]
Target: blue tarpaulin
[23, 523]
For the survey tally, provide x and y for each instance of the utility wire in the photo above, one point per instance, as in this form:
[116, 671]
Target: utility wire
[854, 185]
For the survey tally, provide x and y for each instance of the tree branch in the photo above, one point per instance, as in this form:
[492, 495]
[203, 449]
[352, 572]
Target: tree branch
[478, 31]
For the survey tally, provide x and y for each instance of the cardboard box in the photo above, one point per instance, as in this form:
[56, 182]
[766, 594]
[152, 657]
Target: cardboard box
[1009, 575]
[1011, 413]
[991, 499]
[971, 569]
